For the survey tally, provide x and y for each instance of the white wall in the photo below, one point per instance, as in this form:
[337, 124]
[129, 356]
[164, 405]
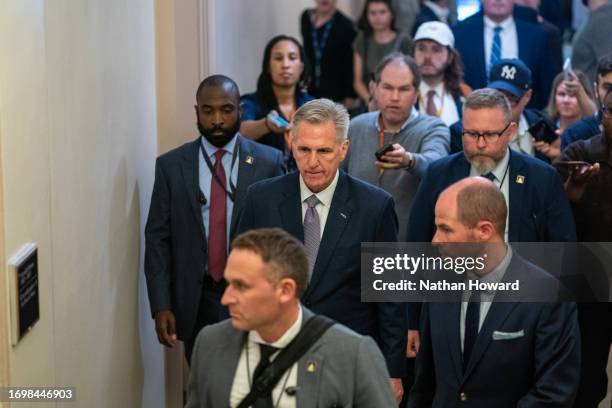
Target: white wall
[79, 137]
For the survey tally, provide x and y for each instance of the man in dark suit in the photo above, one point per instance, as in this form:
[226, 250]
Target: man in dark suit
[538, 209]
[512, 78]
[328, 209]
[267, 271]
[198, 191]
[477, 352]
[492, 34]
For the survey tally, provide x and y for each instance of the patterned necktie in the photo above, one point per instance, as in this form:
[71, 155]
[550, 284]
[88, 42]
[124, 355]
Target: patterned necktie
[472, 321]
[495, 47]
[431, 106]
[217, 245]
[264, 401]
[312, 231]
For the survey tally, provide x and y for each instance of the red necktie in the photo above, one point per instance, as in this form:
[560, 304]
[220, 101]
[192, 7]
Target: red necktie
[217, 245]
[430, 109]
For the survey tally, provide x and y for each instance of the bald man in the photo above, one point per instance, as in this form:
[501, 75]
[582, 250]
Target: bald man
[476, 353]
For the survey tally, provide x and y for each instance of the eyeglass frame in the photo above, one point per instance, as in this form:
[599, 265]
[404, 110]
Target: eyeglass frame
[489, 137]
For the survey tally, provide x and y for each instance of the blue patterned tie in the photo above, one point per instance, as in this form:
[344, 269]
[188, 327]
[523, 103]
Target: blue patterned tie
[495, 47]
[312, 231]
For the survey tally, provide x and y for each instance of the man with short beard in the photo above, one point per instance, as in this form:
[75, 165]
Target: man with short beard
[198, 191]
[442, 89]
[538, 209]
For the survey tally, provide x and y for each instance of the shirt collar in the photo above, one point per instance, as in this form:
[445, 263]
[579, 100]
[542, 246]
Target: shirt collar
[497, 274]
[498, 170]
[413, 115]
[441, 12]
[325, 196]
[424, 88]
[490, 24]
[211, 150]
[286, 338]
[523, 125]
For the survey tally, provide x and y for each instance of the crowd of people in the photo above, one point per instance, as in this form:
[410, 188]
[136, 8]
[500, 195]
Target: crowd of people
[377, 131]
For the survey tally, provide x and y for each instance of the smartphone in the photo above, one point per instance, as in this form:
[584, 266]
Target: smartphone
[382, 151]
[567, 70]
[575, 163]
[543, 131]
[278, 121]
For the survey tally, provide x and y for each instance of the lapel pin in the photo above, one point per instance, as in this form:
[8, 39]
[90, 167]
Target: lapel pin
[343, 215]
[520, 179]
[311, 367]
[249, 160]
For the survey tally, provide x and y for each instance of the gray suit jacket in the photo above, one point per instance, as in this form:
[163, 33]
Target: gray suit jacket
[350, 371]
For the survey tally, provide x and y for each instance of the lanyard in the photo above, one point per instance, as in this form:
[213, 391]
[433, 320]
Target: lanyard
[232, 193]
[381, 143]
[318, 48]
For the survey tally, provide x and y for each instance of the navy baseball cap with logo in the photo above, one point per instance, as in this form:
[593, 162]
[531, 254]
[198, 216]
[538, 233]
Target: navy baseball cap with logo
[510, 75]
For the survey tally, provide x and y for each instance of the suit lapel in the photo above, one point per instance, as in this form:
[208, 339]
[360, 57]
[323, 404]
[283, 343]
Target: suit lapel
[309, 379]
[190, 171]
[479, 48]
[516, 189]
[496, 316]
[247, 169]
[337, 219]
[227, 355]
[290, 207]
[451, 325]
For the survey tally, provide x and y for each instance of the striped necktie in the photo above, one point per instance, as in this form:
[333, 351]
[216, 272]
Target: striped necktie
[496, 47]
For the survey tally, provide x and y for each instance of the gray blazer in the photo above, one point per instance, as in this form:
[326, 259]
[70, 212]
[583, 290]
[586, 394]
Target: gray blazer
[350, 371]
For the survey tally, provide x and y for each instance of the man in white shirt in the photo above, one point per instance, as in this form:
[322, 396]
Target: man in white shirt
[267, 272]
[494, 34]
[441, 90]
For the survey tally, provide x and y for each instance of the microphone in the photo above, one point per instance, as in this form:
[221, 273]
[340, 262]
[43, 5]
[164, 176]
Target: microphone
[201, 198]
[291, 391]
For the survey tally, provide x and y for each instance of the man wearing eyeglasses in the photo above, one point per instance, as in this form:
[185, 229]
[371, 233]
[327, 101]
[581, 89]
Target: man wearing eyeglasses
[538, 209]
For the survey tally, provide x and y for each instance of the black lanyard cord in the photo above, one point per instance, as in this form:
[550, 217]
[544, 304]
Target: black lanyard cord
[232, 191]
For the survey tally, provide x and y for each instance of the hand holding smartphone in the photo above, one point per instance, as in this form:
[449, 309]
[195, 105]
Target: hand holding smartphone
[382, 151]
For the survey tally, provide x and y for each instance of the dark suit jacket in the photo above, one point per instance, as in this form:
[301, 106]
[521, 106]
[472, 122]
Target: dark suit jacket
[534, 51]
[350, 369]
[581, 130]
[526, 354]
[538, 210]
[359, 213]
[531, 115]
[176, 245]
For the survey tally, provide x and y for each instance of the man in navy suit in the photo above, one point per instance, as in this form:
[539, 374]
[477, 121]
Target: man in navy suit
[477, 352]
[332, 213]
[492, 34]
[538, 209]
[198, 191]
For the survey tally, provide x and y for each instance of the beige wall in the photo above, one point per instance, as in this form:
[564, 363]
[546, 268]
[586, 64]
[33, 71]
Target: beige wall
[77, 143]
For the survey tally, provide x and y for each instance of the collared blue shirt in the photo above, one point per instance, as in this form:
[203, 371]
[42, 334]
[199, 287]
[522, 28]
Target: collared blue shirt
[205, 179]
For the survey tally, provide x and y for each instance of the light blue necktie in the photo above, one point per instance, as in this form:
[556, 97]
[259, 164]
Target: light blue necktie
[495, 47]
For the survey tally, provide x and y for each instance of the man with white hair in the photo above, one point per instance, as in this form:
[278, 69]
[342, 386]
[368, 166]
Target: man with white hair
[326, 208]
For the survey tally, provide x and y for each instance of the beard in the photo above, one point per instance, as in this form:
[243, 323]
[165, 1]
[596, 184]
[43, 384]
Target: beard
[483, 164]
[219, 140]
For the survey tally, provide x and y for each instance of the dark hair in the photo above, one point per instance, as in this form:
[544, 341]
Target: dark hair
[406, 59]
[551, 108]
[214, 81]
[453, 74]
[604, 66]
[282, 252]
[264, 83]
[487, 98]
[364, 25]
[482, 202]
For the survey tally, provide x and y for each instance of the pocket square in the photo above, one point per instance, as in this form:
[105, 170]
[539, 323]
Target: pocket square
[499, 335]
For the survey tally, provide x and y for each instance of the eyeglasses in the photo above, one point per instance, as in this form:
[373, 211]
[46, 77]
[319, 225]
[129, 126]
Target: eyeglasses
[489, 137]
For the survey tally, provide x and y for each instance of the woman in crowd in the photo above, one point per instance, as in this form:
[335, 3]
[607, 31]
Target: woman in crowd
[570, 101]
[328, 37]
[377, 38]
[279, 93]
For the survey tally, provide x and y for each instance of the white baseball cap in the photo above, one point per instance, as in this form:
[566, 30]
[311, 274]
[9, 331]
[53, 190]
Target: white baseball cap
[436, 31]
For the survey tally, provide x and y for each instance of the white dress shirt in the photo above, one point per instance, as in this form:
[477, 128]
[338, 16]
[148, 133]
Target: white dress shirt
[325, 199]
[244, 372]
[445, 104]
[502, 180]
[509, 39]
